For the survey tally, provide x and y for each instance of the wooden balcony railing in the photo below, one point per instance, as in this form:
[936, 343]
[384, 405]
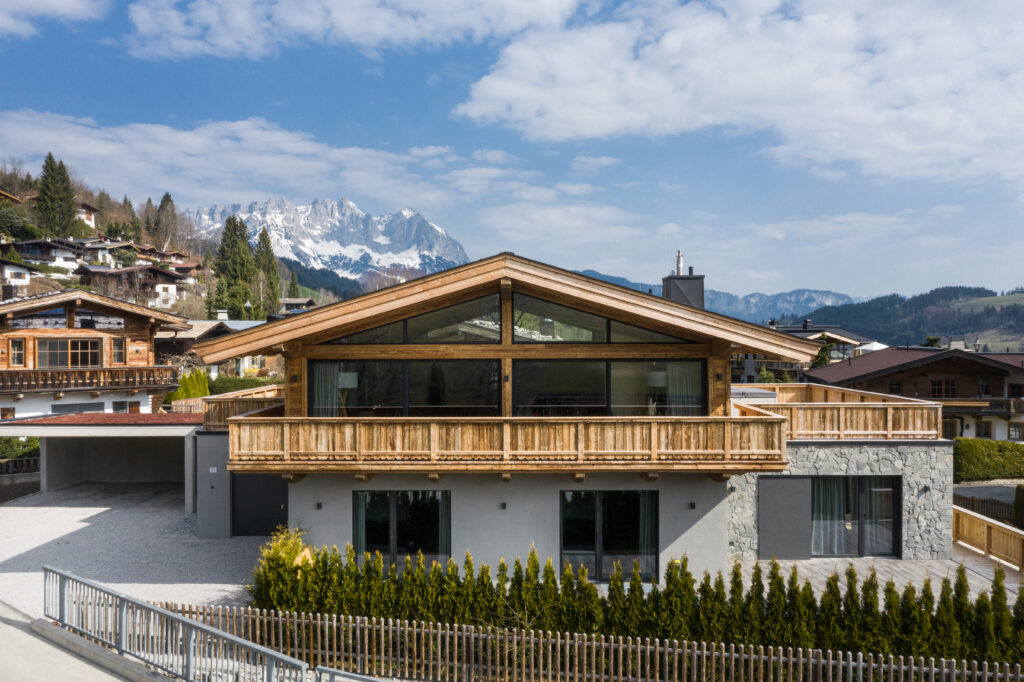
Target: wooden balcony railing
[26, 380]
[219, 409]
[507, 444]
[824, 412]
[995, 539]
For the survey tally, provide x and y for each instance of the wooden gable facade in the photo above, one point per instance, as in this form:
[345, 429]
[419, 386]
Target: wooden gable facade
[75, 329]
[645, 328]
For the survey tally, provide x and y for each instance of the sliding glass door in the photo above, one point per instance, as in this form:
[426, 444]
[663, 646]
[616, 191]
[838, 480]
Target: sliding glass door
[855, 515]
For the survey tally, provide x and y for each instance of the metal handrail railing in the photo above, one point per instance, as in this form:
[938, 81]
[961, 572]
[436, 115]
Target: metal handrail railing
[176, 645]
[325, 674]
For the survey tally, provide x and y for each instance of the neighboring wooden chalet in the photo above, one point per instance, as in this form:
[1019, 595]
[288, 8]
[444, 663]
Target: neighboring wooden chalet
[77, 351]
[982, 393]
[292, 305]
[159, 287]
[506, 402]
[51, 251]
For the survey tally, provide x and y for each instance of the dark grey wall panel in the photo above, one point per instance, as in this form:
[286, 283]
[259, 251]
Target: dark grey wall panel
[784, 517]
[213, 486]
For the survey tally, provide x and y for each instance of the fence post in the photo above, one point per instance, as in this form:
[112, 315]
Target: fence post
[190, 652]
[121, 623]
[62, 599]
[272, 670]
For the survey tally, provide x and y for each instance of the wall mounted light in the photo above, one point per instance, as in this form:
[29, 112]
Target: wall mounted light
[503, 505]
[693, 505]
[319, 505]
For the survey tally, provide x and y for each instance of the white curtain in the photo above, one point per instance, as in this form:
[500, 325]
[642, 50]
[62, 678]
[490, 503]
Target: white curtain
[323, 377]
[828, 520]
[685, 391]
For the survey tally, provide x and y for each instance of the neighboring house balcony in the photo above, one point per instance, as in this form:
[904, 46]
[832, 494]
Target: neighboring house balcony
[752, 439]
[984, 406]
[86, 379]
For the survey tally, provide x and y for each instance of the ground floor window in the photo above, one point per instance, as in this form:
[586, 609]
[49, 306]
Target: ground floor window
[129, 406]
[855, 515]
[602, 527]
[983, 429]
[1016, 432]
[400, 523]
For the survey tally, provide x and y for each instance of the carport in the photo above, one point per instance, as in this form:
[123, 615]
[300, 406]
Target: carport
[114, 448]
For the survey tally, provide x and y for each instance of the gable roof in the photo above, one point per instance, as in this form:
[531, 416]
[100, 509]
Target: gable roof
[896, 359]
[78, 296]
[197, 330]
[485, 276]
[4, 196]
[16, 264]
[104, 270]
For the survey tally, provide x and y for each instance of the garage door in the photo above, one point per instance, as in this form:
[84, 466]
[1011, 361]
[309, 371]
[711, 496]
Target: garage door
[259, 503]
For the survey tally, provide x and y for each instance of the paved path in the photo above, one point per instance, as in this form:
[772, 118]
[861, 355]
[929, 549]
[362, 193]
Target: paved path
[24, 656]
[132, 537]
[980, 571]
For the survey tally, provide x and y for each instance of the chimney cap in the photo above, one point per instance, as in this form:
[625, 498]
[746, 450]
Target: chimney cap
[807, 323]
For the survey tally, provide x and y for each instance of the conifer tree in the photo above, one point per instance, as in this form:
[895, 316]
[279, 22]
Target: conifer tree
[588, 603]
[468, 590]
[636, 620]
[293, 286]
[568, 602]
[266, 263]
[963, 612]
[871, 640]
[485, 606]
[799, 614]
[774, 628]
[677, 601]
[501, 594]
[735, 616]
[55, 206]
[927, 611]
[531, 589]
[945, 629]
[829, 632]
[516, 601]
[984, 635]
[910, 640]
[1015, 650]
[1002, 619]
[452, 605]
[753, 608]
[809, 610]
[890, 633]
[165, 225]
[350, 598]
[615, 604]
[547, 599]
[236, 271]
[851, 617]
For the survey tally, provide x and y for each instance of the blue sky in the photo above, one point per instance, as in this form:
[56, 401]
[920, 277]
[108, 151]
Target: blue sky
[779, 145]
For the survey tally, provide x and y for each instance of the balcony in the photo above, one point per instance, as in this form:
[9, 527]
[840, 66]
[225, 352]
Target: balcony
[85, 379]
[753, 438]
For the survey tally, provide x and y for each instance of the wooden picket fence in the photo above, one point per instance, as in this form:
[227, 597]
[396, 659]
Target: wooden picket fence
[994, 509]
[437, 652]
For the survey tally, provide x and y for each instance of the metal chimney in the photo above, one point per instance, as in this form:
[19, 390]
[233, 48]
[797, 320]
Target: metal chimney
[686, 289]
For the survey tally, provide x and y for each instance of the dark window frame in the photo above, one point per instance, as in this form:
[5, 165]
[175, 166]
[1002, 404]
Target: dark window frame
[608, 377]
[17, 353]
[598, 575]
[72, 348]
[1015, 431]
[405, 329]
[393, 557]
[607, 328]
[897, 528]
[115, 352]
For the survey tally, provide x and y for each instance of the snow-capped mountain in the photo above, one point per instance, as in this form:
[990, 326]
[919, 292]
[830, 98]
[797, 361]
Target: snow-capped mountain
[339, 236]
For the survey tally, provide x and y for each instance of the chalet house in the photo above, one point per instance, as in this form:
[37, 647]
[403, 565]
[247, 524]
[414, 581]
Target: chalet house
[76, 351]
[507, 403]
[14, 277]
[51, 251]
[101, 250]
[292, 305]
[87, 213]
[157, 286]
[982, 394]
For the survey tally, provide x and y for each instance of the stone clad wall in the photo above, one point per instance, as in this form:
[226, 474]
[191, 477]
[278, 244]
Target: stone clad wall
[927, 514]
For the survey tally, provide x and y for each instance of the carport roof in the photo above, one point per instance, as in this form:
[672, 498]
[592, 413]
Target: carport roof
[101, 424]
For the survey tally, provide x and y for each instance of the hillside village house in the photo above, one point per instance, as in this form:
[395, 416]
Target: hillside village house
[77, 351]
[507, 403]
[15, 276]
[51, 251]
[157, 287]
[982, 394]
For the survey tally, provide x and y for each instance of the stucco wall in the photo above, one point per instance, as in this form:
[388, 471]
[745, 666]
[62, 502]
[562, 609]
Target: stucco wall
[531, 516]
[38, 404]
[64, 461]
[926, 468]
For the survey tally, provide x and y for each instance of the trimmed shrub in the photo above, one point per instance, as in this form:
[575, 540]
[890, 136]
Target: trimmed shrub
[291, 576]
[981, 459]
[226, 384]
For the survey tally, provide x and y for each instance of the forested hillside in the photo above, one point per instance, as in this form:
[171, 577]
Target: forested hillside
[323, 280]
[971, 312]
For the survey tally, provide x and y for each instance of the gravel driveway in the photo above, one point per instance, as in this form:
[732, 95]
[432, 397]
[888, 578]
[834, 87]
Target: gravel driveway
[134, 538]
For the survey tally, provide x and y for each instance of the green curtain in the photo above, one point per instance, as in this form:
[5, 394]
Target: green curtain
[323, 377]
[828, 520]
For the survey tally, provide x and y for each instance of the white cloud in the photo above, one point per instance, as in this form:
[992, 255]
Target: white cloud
[592, 164]
[19, 17]
[495, 156]
[931, 90]
[576, 189]
[217, 162]
[252, 28]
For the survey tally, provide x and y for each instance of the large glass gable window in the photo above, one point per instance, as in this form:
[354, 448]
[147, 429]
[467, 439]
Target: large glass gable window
[396, 388]
[400, 523]
[538, 321]
[578, 388]
[476, 321]
[603, 527]
[855, 515]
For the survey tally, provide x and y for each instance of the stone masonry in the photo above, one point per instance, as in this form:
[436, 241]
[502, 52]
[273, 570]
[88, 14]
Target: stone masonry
[926, 468]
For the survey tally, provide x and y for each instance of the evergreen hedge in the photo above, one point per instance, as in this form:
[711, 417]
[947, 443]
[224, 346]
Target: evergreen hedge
[982, 459]
[226, 384]
[850, 615]
[195, 384]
